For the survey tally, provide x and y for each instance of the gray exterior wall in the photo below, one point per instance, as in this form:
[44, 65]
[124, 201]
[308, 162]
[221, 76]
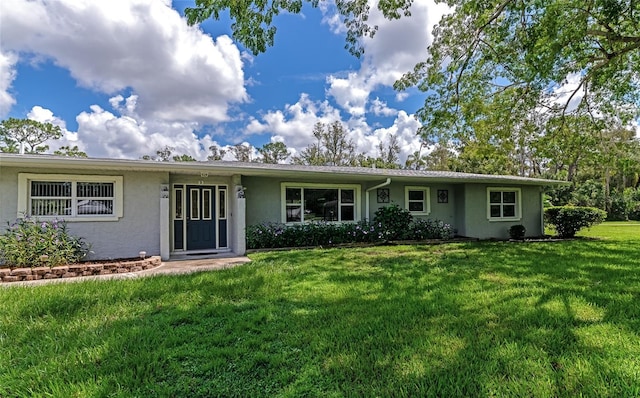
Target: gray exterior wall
[439, 211]
[264, 198]
[138, 229]
[460, 204]
[478, 226]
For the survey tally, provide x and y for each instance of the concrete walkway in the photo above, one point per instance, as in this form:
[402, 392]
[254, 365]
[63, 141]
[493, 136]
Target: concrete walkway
[171, 267]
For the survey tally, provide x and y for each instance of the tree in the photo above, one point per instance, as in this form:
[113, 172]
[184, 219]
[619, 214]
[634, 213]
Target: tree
[440, 157]
[332, 147]
[389, 152]
[525, 49]
[529, 51]
[242, 152]
[68, 151]
[339, 150]
[310, 156]
[217, 153]
[274, 152]
[253, 19]
[184, 158]
[164, 154]
[515, 86]
[27, 135]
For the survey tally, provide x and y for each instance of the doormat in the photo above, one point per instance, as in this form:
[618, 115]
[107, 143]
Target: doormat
[201, 254]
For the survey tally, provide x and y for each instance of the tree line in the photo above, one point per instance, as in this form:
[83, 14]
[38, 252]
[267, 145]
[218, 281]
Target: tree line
[602, 163]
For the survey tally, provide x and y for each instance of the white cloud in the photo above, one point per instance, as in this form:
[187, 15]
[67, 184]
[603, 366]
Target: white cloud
[380, 108]
[123, 134]
[294, 126]
[177, 71]
[7, 75]
[69, 138]
[394, 50]
[126, 134]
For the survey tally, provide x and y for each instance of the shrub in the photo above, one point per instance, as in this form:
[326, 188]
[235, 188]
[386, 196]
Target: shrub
[390, 223]
[517, 232]
[394, 221]
[29, 242]
[623, 204]
[568, 220]
[430, 229]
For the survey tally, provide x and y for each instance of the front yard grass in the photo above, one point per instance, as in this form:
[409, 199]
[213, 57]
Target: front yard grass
[464, 319]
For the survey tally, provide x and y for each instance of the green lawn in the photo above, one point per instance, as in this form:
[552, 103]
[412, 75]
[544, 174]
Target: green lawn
[464, 319]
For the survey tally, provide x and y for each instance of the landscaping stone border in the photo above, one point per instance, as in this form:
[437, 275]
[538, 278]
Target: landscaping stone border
[74, 270]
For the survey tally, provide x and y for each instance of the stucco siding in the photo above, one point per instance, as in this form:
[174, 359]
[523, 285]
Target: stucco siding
[439, 211]
[459, 210]
[479, 226]
[263, 199]
[264, 196]
[137, 230]
[8, 196]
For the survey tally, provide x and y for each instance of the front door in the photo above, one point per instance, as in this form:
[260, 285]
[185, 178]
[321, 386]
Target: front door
[201, 218]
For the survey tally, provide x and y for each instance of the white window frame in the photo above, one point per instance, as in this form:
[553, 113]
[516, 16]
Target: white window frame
[24, 195]
[518, 204]
[426, 202]
[176, 202]
[283, 198]
[222, 203]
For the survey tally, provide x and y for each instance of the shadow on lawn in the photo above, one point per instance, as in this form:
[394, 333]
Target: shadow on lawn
[468, 319]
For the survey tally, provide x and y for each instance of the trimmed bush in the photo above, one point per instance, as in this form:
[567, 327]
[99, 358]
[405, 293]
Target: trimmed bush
[273, 235]
[394, 222]
[29, 243]
[568, 220]
[517, 232]
[430, 229]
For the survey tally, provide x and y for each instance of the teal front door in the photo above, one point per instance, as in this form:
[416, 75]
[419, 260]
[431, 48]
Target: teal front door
[201, 218]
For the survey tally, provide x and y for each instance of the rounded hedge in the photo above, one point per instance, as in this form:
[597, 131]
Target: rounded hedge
[568, 220]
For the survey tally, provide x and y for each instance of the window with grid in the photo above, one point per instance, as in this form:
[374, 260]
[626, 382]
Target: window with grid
[319, 203]
[70, 197]
[417, 200]
[503, 204]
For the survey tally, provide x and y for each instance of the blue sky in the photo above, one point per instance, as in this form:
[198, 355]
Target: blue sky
[126, 78]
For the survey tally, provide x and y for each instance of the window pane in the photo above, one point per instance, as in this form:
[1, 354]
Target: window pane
[195, 204]
[206, 204]
[94, 189]
[495, 197]
[495, 211]
[222, 206]
[294, 195]
[50, 207]
[347, 196]
[50, 189]
[416, 206]
[509, 197]
[347, 213]
[509, 211]
[294, 213]
[416, 195]
[178, 203]
[94, 207]
[320, 204]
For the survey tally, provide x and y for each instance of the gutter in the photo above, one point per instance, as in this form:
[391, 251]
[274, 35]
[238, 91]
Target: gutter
[366, 194]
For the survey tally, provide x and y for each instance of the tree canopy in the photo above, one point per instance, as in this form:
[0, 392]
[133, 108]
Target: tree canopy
[26, 134]
[507, 58]
[253, 20]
